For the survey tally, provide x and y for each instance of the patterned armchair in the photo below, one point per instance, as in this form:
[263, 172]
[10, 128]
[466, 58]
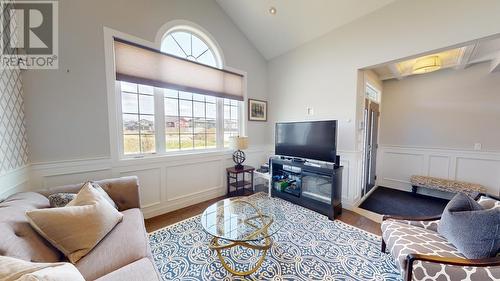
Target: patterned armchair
[422, 254]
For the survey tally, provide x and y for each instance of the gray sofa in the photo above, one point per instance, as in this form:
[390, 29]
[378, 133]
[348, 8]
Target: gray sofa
[124, 254]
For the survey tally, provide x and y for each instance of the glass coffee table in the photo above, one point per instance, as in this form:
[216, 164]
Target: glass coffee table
[240, 221]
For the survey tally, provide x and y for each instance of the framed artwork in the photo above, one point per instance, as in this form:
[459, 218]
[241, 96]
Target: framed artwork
[257, 110]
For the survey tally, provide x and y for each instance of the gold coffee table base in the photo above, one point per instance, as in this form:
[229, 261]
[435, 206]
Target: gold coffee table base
[268, 242]
[218, 247]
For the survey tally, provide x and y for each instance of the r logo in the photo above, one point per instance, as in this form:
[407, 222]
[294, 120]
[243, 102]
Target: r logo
[29, 29]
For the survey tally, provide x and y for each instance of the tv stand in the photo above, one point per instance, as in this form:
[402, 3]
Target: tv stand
[317, 187]
[298, 160]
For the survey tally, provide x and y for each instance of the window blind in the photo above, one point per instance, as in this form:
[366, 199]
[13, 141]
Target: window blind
[143, 65]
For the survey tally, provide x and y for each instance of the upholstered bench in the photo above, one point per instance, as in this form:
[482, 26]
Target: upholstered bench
[471, 189]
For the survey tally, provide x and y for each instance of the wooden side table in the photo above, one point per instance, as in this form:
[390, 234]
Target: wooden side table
[240, 184]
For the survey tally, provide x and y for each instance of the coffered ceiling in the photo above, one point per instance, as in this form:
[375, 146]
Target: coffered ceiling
[295, 21]
[457, 58]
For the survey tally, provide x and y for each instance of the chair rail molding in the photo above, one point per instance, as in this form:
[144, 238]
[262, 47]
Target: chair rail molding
[397, 163]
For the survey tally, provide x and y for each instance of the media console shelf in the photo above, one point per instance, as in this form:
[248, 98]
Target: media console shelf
[315, 186]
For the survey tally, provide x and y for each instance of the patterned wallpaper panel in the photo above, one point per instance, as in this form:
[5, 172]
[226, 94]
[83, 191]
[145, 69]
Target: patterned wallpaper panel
[13, 144]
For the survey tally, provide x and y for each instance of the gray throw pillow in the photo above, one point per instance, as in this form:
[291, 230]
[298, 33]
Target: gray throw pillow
[469, 227]
[61, 199]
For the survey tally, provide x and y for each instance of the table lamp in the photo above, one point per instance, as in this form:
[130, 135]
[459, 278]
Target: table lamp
[239, 143]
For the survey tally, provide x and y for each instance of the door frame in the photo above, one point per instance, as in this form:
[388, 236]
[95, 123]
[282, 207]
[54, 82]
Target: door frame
[367, 103]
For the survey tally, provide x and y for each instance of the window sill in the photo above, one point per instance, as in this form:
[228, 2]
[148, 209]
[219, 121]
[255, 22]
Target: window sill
[173, 156]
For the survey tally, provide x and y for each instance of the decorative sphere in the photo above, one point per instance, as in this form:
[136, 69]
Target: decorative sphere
[239, 157]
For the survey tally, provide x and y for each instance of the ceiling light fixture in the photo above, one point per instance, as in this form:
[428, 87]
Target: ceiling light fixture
[272, 11]
[427, 64]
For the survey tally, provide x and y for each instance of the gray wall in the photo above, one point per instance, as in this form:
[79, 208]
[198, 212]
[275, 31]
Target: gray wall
[66, 109]
[443, 109]
[323, 73]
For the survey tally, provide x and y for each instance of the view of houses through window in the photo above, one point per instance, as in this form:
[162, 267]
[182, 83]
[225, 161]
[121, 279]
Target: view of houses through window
[190, 120]
[138, 118]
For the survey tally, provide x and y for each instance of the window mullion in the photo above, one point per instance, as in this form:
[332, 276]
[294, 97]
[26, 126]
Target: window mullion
[118, 95]
[220, 123]
[139, 118]
[241, 119]
[159, 121]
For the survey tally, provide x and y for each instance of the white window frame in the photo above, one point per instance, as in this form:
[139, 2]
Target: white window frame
[115, 101]
[375, 89]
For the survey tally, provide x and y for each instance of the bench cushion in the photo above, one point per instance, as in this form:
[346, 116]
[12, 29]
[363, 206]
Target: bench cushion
[447, 185]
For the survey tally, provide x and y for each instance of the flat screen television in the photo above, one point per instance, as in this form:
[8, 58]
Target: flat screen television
[315, 140]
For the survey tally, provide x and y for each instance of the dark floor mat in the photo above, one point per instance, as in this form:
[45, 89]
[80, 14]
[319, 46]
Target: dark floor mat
[388, 201]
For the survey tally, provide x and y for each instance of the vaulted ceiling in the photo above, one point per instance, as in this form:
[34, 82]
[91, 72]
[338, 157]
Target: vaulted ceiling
[295, 21]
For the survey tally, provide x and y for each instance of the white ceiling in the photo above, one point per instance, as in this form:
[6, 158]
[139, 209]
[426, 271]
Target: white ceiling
[296, 21]
[458, 58]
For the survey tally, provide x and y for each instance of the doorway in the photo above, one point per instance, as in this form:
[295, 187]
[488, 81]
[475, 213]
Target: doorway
[371, 127]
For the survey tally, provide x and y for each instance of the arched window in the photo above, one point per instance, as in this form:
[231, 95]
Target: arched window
[187, 44]
[184, 120]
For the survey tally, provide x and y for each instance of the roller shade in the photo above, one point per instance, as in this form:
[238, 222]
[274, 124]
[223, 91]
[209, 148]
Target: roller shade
[143, 65]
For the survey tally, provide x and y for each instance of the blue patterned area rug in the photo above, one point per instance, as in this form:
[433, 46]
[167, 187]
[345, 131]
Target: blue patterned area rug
[308, 247]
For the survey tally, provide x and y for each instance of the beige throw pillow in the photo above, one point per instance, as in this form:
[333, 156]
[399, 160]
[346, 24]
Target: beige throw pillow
[103, 193]
[78, 227]
[12, 269]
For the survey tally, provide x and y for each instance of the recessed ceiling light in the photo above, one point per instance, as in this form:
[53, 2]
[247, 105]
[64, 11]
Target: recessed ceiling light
[427, 64]
[272, 11]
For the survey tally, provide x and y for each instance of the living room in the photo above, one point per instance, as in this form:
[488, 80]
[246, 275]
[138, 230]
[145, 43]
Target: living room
[220, 75]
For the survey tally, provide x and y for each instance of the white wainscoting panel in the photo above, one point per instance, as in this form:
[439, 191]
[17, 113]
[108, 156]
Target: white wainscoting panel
[351, 178]
[193, 179]
[439, 166]
[166, 183]
[62, 179]
[396, 164]
[175, 182]
[150, 185]
[482, 171]
[14, 181]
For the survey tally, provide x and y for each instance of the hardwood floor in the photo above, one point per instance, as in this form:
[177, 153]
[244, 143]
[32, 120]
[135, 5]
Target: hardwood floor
[158, 222]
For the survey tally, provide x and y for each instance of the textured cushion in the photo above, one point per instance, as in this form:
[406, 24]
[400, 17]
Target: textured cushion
[403, 239]
[142, 269]
[126, 243]
[472, 229]
[61, 199]
[454, 186]
[488, 203]
[17, 238]
[78, 227]
[15, 269]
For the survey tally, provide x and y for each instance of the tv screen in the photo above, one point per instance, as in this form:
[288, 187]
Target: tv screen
[316, 140]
